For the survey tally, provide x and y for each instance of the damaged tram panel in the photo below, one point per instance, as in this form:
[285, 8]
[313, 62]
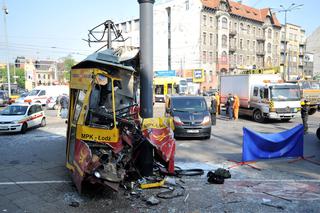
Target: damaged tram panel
[105, 141]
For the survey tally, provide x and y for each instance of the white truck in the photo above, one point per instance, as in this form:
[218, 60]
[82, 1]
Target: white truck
[40, 94]
[262, 96]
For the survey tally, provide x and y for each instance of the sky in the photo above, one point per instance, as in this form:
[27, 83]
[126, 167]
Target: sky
[47, 29]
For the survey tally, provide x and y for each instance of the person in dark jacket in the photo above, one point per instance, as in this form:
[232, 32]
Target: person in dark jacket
[229, 106]
[213, 110]
[305, 107]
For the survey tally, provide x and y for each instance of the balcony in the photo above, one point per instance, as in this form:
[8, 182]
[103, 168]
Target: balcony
[260, 52]
[261, 38]
[232, 33]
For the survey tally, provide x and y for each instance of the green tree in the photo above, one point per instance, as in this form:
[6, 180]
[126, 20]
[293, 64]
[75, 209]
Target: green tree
[68, 62]
[19, 72]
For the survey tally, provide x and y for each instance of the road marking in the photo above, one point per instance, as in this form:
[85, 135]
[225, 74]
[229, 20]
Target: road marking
[283, 180]
[34, 182]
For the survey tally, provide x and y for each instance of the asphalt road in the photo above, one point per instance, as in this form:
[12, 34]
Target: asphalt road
[33, 177]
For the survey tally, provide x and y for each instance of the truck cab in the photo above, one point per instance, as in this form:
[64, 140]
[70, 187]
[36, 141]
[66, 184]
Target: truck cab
[275, 101]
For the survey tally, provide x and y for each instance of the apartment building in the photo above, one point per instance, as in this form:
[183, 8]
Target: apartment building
[293, 55]
[216, 36]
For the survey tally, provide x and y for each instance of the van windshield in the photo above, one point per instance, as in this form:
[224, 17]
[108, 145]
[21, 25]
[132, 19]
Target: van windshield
[34, 92]
[189, 104]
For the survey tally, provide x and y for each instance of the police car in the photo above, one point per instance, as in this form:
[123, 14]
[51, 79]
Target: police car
[20, 117]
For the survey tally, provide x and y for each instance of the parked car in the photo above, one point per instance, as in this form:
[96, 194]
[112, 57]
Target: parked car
[20, 99]
[53, 103]
[20, 117]
[4, 98]
[191, 116]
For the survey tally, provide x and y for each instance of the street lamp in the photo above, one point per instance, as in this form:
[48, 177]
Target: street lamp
[5, 13]
[284, 10]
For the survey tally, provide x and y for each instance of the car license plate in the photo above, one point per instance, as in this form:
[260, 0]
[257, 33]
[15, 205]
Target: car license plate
[193, 131]
[3, 127]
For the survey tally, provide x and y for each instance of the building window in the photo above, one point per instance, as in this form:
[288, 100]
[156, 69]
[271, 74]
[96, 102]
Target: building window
[254, 46]
[269, 48]
[235, 27]
[248, 29]
[241, 27]
[187, 4]
[204, 38]
[205, 78]
[241, 44]
[204, 20]
[259, 32]
[211, 39]
[210, 57]
[248, 44]
[224, 57]
[240, 61]
[39, 76]
[224, 23]
[248, 60]
[253, 60]
[254, 31]
[204, 57]
[211, 21]
[269, 33]
[210, 76]
[224, 41]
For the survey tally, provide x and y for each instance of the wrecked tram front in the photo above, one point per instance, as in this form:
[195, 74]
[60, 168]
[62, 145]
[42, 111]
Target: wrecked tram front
[107, 143]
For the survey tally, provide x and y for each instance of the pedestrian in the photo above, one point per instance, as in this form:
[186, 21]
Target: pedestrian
[213, 110]
[236, 105]
[305, 107]
[229, 106]
[64, 103]
[218, 102]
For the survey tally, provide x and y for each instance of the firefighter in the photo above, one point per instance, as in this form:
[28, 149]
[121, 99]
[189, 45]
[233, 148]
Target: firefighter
[218, 103]
[236, 105]
[305, 107]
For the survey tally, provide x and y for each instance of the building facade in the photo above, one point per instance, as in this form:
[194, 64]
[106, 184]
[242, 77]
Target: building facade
[293, 55]
[218, 37]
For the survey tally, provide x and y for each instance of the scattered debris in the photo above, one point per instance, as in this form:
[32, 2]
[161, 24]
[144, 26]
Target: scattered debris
[274, 206]
[213, 178]
[153, 201]
[185, 200]
[277, 196]
[74, 204]
[218, 176]
[72, 199]
[266, 200]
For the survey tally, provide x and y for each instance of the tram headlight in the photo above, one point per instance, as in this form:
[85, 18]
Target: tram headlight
[97, 174]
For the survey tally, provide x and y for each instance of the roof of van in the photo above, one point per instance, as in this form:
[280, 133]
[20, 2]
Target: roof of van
[187, 97]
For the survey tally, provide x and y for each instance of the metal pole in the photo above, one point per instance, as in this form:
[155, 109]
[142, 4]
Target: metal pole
[5, 12]
[285, 45]
[109, 35]
[146, 57]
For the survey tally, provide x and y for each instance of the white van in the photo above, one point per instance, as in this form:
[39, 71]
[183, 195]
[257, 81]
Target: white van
[40, 94]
